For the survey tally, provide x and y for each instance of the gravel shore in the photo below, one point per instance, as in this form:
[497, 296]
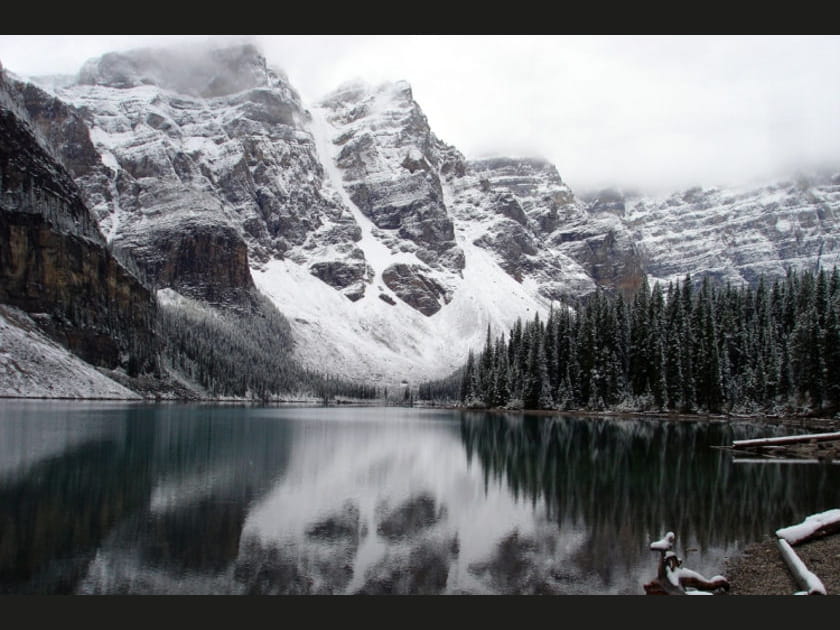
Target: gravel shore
[760, 569]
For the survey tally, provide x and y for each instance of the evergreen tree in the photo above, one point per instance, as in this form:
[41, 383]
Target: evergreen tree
[832, 353]
[656, 347]
[706, 348]
[639, 349]
[551, 348]
[622, 340]
[545, 400]
[834, 284]
[485, 371]
[468, 380]
[501, 375]
[658, 385]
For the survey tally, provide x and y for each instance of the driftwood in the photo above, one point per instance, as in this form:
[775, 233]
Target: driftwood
[787, 439]
[780, 460]
[815, 447]
[672, 579]
[811, 584]
[814, 526]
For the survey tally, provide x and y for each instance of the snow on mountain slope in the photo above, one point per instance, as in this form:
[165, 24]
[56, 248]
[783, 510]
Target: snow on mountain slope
[510, 209]
[377, 255]
[209, 155]
[34, 366]
[385, 343]
[736, 235]
[388, 251]
[378, 337]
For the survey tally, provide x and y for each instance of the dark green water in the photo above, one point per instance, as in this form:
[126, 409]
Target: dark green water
[209, 499]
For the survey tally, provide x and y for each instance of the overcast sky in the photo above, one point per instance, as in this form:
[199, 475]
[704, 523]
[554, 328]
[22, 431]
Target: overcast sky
[654, 113]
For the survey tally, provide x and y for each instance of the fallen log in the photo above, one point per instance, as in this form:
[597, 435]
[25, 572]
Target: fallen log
[672, 579]
[805, 578]
[781, 460]
[689, 579]
[786, 439]
[814, 526]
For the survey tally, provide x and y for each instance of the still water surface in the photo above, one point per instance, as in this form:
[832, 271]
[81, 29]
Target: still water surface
[206, 499]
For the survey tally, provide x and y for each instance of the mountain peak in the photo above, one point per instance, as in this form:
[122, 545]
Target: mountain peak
[359, 90]
[197, 70]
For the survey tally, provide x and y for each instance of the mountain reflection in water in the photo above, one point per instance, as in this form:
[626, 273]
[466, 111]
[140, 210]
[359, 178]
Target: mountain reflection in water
[170, 499]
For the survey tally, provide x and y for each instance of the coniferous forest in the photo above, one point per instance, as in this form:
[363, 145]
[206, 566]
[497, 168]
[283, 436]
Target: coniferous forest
[219, 355]
[688, 348]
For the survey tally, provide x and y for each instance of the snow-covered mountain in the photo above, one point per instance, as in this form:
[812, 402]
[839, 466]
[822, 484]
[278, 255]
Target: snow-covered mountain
[340, 214]
[736, 235]
[388, 251]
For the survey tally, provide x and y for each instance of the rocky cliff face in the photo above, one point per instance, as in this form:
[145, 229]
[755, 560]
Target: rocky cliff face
[54, 262]
[392, 168]
[733, 235]
[423, 198]
[538, 230]
[207, 166]
[223, 163]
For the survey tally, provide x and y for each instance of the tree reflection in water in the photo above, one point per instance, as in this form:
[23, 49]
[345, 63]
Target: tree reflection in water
[627, 481]
[192, 499]
[168, 479]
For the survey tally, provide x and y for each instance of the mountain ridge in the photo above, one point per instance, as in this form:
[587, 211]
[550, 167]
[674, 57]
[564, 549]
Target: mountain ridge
[389, 252]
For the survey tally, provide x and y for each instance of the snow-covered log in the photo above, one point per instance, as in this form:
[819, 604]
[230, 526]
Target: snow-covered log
[813, 526]
[673, 579]
[787, 439]
[688, 579]
[780, 460]
[805, 578]
[666, 543]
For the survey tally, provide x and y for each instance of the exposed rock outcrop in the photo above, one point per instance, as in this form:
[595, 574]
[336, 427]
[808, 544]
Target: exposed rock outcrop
[392, 166]
[349, 277]
[199, 260]
[736, 235]
[208, 158]
[54, 263]
[62, 127]
[415, 288]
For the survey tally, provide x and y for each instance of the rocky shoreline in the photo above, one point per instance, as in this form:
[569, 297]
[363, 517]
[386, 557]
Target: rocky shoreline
[760, 569]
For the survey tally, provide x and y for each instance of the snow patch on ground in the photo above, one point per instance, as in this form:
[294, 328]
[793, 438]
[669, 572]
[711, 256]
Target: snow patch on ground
[170, 297]
[34, 366]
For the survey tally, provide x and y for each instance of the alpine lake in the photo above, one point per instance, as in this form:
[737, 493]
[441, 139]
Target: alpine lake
[177, 498]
